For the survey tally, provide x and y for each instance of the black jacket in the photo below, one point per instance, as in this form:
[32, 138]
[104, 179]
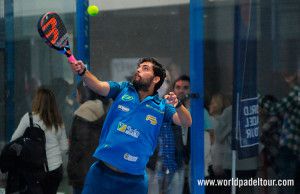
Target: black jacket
[83, 142]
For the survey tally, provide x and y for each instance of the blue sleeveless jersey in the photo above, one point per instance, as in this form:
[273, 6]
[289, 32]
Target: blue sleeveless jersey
[131, 128]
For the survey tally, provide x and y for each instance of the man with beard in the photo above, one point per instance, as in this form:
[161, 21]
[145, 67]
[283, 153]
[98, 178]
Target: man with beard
[172, 154]
[131, 128]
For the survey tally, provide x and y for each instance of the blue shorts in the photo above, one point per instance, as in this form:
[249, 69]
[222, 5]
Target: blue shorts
[102, 179]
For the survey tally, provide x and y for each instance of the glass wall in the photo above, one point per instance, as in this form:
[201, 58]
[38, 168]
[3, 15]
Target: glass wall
[34, 64]
[124, 31]
[277, 61]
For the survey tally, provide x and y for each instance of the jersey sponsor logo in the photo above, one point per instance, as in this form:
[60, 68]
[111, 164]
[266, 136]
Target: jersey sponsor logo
[123, 108]
[122, 127]
[126, 97]
[153, 108]
[130, 158]
[152, 119]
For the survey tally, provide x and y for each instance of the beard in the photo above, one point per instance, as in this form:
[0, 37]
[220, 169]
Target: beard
[142, 84]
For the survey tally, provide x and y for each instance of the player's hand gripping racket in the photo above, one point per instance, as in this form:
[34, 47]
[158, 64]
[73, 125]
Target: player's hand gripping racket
[52, 29]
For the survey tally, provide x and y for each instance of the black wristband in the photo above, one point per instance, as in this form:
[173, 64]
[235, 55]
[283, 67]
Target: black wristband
[178, 104]
[83, 72]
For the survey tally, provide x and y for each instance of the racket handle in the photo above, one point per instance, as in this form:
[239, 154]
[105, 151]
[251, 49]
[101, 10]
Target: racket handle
[72, 59]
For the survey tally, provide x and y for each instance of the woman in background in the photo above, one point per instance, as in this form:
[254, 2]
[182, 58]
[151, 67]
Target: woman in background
[46, 115]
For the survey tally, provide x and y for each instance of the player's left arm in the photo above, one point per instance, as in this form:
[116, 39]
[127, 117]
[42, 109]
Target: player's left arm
[182, 116]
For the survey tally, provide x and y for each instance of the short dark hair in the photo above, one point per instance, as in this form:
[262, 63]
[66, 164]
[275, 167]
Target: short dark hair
[158, 70]
[182, 78]
[85, 93]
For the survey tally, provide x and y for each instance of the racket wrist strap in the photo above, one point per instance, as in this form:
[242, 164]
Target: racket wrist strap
[83, 72]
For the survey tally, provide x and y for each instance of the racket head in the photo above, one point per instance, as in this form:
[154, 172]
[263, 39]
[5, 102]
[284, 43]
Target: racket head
[52, 29]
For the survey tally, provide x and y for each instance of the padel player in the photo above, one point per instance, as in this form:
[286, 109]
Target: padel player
[131, 128]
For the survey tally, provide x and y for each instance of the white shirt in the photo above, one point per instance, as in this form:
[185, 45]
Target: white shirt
[56, 142]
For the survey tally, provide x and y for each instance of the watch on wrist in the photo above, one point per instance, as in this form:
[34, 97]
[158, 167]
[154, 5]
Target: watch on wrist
[178, 104]
[83, 72]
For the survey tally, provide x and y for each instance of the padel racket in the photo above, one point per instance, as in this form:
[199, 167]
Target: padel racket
[52, 29]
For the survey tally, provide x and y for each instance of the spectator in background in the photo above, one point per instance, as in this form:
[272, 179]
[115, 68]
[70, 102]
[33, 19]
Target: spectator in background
[171, 160]
[84, 135]
[222, 147]
[181, 88]
[289, 142]
[245, 168]
[216, 106]
[208, 142]
[175, 146]
[170, 155]
[270, 128]
[46, 115]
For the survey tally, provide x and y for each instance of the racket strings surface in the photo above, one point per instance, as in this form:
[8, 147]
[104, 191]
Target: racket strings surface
[54, 31]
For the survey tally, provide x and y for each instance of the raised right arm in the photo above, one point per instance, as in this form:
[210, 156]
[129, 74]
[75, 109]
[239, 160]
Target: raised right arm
[100, 87]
